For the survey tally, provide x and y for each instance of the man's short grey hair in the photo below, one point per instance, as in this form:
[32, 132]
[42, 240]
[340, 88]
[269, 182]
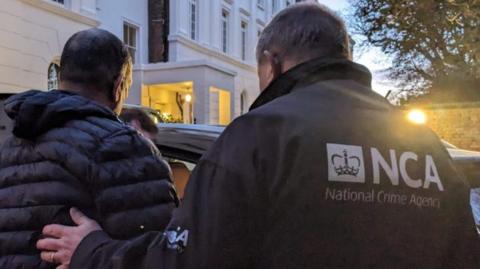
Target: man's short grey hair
[305, 31]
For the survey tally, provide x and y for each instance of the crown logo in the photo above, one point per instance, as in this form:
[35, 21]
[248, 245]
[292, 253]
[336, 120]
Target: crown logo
[346, 165]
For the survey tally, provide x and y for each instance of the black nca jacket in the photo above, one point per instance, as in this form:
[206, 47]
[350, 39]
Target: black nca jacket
[322, 173]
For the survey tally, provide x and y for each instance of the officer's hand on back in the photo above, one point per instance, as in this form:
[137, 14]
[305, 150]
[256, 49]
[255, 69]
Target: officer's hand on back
[62, 241]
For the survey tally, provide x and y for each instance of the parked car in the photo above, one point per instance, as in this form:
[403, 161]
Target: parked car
[183, 145]
[152, 113]
[466, 161]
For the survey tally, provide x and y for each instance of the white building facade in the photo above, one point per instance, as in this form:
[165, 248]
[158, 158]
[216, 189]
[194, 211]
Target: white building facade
[32, 36]
[208, 73]
[194, 59]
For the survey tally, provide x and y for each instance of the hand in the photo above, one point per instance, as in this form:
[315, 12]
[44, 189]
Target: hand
[62, 241]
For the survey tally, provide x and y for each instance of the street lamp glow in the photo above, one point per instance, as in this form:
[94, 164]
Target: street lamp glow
[417, 116]
[188, 98]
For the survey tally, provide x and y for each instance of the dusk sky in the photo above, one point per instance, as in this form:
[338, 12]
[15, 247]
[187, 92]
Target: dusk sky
[374, 58]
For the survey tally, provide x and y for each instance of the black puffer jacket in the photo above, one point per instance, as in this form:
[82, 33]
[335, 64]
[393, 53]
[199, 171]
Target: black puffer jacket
[69, 151]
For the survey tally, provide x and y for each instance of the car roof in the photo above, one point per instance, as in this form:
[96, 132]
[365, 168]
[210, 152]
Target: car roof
[144, 108]
[186, 141]
[200, 129]
[461, 155]
[191, 141]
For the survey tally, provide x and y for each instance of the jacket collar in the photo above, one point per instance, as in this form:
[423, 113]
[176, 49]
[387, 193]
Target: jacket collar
[35, 112]
[313, 71]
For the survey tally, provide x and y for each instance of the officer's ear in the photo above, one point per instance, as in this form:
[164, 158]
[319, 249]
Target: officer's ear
[274, 62]
[269, 69]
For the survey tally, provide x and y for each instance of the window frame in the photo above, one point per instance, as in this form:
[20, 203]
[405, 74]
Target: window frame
[261, 4]
[53, 82]
[126, 38]
[243, 40]
[225, 31]
[274, 6]
[63, 3]
[243, 102]
[193, 19]
[259, 31]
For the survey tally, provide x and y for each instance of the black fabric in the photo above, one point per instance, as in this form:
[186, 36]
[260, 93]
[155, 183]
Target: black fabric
[70, 151]
[262, 196]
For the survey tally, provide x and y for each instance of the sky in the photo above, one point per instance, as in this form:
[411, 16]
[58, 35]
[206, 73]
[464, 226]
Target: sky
[373, 58]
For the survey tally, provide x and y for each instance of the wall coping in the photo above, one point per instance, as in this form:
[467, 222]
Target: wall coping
[64, 12]
[184, 64]
[211, 52]
[444, 106]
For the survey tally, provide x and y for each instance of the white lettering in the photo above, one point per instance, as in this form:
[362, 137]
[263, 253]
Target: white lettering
[390, 169]
[183, 237]
[346, 164]
[431, 174]
[413, 183]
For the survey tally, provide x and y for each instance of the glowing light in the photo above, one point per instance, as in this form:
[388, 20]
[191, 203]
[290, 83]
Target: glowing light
[188, 98]
[417, 116]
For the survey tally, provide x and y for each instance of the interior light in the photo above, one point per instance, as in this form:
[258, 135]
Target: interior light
[188, 98]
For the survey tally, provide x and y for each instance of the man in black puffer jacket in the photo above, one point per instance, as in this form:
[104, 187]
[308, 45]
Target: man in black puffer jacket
[70, 150]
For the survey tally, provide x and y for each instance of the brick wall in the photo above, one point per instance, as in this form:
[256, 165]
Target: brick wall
[458, 124]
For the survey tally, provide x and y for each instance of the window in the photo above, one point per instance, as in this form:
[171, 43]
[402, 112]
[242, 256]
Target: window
[243, 103]
[274, 6]
[130, 39]
[53, 70]
[193, 19]
[259, 32]
[261, 3]
[288, 3]
[244, 40]
[59, 1]
[225, 25]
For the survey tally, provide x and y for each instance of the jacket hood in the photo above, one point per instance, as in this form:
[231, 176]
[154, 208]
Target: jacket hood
[311, 72]
[35, 112]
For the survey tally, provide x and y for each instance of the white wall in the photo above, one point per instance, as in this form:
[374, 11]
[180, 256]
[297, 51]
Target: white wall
[32, 34]
[113, 14]
[208, 43]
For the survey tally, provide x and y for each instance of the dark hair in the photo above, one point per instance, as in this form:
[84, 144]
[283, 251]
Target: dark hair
[147, 124]
[93, 57]
[304, 31]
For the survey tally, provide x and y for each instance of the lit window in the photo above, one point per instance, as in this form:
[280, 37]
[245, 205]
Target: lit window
[244, 40]
[193, 19]
[130, 39]
[53, 70]
[225, 24]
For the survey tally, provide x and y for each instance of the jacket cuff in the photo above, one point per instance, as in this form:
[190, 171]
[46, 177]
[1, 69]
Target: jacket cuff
[87, 248]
